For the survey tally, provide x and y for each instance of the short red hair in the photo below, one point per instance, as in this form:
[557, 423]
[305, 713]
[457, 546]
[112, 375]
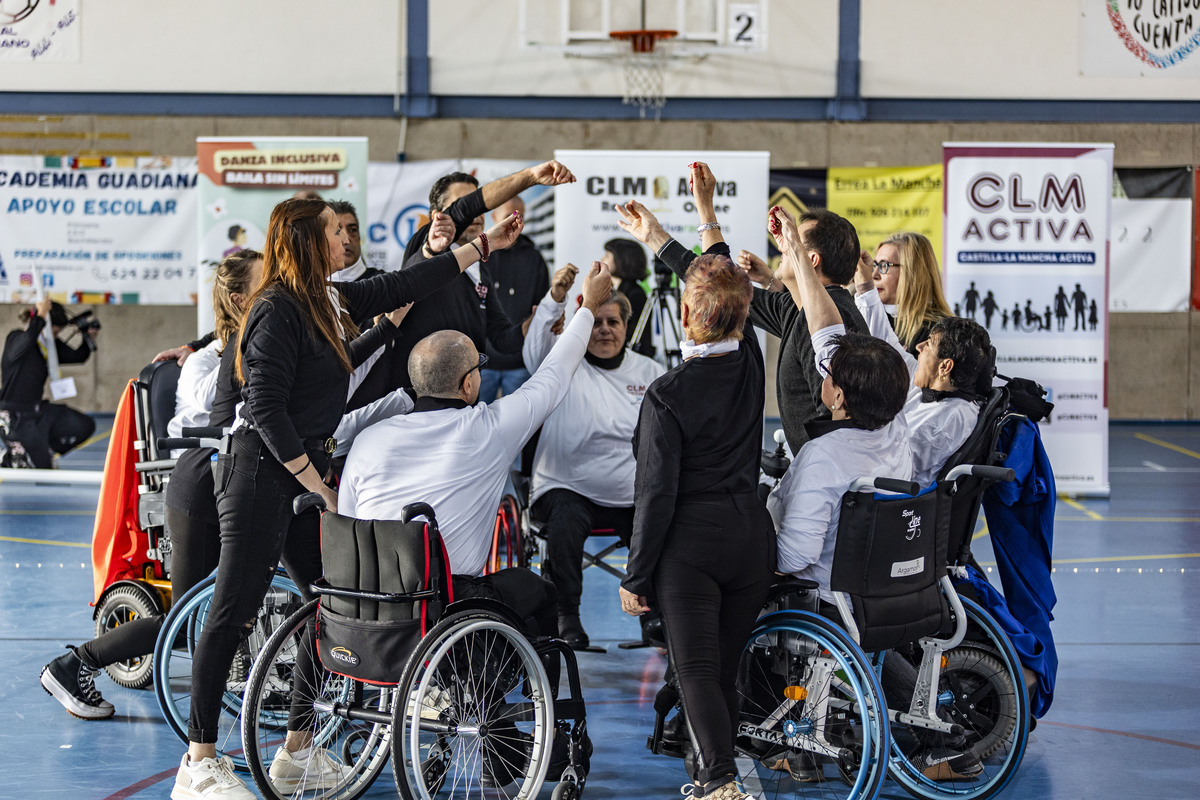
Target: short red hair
[718, 294]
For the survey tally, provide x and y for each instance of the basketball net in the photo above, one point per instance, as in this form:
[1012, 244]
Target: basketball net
[645, 66]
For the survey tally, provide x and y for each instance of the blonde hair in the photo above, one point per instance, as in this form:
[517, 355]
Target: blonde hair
[232, 277]
[718, 293]
[919, 298]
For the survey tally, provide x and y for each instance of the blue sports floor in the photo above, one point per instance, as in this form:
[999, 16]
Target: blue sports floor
[1125, 721]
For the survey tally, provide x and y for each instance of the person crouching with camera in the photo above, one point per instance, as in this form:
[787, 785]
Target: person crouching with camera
[41, 427]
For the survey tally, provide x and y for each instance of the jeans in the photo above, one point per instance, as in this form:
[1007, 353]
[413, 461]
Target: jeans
[570, 519]
[254, 500]
[52, 427]
[493, 380]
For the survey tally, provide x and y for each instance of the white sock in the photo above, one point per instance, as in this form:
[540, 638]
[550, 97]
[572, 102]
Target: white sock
[302, 754]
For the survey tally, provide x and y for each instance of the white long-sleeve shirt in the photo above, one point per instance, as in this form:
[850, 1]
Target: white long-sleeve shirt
[938, 428]
[195, 391]
[585, 444]
[456, 459]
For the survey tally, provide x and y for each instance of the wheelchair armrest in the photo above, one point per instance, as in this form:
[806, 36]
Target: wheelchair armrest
[886, 485]
[322, 587]
[417, 510]
[992, 474]
[186, 443]
[306, 501]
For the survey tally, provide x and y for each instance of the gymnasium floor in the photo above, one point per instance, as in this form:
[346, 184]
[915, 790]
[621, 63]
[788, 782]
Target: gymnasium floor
[1125, 721]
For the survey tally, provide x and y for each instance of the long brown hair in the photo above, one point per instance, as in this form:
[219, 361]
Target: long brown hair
[919, 298]
[296, 256]
[232, 277]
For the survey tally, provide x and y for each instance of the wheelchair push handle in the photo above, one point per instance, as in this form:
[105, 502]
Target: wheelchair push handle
[306, 501]
[205, 433]
[886, 485]
[417, 510]
[166, 443]
[991, 474]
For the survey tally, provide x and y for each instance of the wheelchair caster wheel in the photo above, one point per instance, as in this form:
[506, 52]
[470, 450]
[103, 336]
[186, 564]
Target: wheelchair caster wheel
[567, 790]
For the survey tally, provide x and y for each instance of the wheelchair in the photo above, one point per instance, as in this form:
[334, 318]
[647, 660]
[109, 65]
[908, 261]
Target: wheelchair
[130, 548]
[385, 666]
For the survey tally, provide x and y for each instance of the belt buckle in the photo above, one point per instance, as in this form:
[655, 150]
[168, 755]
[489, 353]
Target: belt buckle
[330, 445]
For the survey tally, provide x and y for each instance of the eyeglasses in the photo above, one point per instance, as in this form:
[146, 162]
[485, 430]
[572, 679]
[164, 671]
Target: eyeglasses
[483, 359]
[824, 366]
[884, 266]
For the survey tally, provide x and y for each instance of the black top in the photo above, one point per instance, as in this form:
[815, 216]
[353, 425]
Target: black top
[295, 389]
[363, 321]
[699, 434]
[797, 381]
[23, 368]
[462, 211]
[517, 279]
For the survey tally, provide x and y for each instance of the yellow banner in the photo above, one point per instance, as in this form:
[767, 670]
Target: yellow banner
[307, 159]
[881, 201]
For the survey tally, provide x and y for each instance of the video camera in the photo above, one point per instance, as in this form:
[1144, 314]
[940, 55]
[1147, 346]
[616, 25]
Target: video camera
[87, 325]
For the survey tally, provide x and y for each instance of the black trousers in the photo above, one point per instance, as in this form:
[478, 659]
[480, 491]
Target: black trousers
[570, 519]
[710, 583]
[195, 546]
[258, 529]
[530, 596]
[52, 427]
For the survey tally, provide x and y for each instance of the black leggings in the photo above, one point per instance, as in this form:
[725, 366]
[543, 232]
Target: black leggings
[195, 545]
[570, 519]
[711, 582]
[52, 427]
[254, 499]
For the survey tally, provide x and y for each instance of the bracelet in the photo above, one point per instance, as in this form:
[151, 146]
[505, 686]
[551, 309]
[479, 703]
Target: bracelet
[772, 283]
[487, 250]
[307, 463]
[477, 250]
[708, 226]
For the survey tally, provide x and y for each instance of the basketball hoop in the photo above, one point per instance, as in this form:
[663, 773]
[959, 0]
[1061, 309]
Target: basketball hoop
[645, 68]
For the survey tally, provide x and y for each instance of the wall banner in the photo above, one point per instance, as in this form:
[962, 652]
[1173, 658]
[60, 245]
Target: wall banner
[1151, 240]
[1139, 38]
[98, 230]
[1026, 255]
[881, 201]
[243, 178]
[40, 30]
[585, 215]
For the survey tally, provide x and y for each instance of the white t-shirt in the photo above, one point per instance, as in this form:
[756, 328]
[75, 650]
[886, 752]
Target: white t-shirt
[586, 444]
[195, 392]
[456, 459]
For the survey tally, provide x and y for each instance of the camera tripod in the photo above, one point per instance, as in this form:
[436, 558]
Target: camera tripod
[665, 314]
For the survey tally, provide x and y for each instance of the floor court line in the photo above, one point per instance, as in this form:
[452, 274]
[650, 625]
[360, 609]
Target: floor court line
[44, 541]
[1168, 445]
[1127, 734]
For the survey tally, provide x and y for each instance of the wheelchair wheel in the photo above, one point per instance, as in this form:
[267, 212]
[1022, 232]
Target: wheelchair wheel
[123, 604]
[176, 647]
[810, 721]
[508, 545]
[348, 719]
[981, 688]
[475, 712]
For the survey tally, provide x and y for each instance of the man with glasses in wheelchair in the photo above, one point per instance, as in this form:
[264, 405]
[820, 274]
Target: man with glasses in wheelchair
[453, 452]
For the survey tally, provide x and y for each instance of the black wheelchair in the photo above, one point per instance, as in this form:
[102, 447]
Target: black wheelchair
[816, 720]
[385, 666]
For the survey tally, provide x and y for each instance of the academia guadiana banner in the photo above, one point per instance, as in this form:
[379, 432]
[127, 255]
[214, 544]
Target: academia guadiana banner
[241, 180]
[1027, 255]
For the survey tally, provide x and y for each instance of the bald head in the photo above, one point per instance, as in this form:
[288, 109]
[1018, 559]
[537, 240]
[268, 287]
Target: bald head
[506, 209]
[439, 361]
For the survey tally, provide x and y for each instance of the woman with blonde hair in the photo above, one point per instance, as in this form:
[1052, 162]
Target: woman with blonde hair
[907, 276]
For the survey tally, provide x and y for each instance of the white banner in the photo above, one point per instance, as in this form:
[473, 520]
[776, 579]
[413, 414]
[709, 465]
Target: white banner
[99, 230]
[1151, 254]
[1026, 254]
[39, 30]
[1139, 38]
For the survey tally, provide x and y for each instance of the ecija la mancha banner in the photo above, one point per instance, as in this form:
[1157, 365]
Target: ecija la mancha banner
[243, 178]
[881, 201]
[1026, 255]
[98, 230]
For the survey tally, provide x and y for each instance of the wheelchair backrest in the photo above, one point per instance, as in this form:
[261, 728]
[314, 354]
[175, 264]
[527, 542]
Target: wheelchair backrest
[383, 557]
[154, 402]
[888, 557]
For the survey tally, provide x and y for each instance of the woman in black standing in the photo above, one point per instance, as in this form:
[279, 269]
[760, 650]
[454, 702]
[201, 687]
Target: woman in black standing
[703, 547]
[295, 365]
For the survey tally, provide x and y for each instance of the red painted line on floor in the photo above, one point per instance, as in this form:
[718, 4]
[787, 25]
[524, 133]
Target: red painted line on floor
[145, 783]
[1143, 737]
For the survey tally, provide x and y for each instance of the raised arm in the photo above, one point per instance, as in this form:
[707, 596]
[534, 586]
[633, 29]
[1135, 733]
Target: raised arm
[703, 184]
[798, 274]
[541, 337]
[550, 173]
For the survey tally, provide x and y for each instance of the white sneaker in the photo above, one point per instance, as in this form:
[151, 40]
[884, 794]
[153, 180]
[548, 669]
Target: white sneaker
[211, 779]
[432, 705]
[318, 771]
